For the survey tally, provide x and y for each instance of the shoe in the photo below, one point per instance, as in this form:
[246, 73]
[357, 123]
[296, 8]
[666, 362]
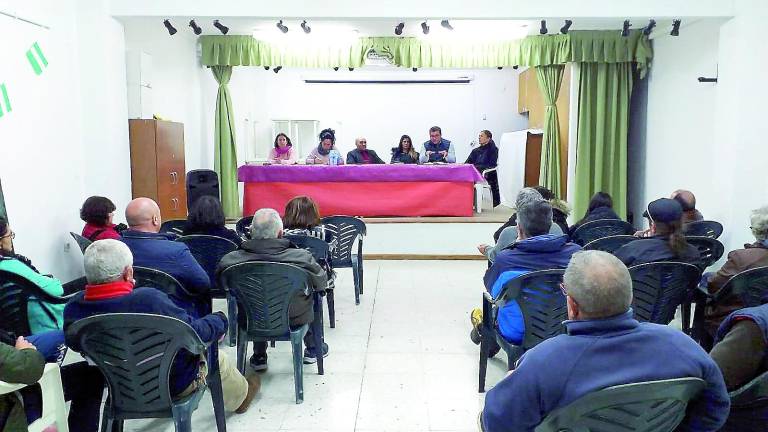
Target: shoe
[310, 356]
[258, 362]
[254, 384]
[476, 318]
[474, 336]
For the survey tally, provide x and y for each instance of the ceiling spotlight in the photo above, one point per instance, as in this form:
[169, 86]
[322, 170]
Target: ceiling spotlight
[281, 26]
[266, 67]
[171, 29]
[649, 28]
[625, 28]
[415, 69]
[336, 68]
[499, 67]
[675, 28]
[399, 29]
[425, 28]
[564, 29]
[543, 30]
[195, 28]
[351, 69]
[446, 24]
[277, 69]
[514, 67]
[222, 28]
[304, 26]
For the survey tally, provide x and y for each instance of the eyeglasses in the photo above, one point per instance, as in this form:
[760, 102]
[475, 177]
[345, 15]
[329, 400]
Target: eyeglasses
[11, 234]
[363, 142]
[562, 289]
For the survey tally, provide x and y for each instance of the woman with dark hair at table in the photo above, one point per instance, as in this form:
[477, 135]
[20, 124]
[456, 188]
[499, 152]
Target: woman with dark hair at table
[207, 217]
[486, 157]
[283, 152]
[404, 152]
[321, 155]
[97, 212]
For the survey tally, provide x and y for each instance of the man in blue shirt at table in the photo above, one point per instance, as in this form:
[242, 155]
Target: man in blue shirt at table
[437, 149]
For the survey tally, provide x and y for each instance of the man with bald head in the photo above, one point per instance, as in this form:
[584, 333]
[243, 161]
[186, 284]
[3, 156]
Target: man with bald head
[688, 201]
[361, 155]
[604, 346]
[158, 251]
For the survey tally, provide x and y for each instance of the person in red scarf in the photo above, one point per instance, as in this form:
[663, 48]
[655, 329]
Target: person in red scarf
[109, 271]
[97, 212]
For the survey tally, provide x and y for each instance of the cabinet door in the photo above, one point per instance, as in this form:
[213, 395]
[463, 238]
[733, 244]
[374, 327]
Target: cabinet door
[143, 159]
[170, 170]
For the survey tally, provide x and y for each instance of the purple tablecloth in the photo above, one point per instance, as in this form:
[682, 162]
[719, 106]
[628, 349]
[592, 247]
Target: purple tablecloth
[358, 173]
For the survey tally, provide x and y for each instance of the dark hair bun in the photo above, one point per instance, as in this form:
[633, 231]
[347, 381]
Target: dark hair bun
[328, 134]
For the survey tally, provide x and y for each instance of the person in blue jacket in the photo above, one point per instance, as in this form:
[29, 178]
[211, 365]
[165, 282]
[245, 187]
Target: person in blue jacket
[535, 249]
[156, 250]
[604, 346]
[437, 149]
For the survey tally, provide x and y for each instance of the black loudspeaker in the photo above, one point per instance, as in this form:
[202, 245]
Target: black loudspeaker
[201, 183]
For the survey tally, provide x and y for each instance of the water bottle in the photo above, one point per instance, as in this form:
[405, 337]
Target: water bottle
[334, 157]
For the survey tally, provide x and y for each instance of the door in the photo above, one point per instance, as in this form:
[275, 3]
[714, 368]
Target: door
[171, 177]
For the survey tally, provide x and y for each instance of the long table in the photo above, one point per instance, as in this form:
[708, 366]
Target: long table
[363, 190]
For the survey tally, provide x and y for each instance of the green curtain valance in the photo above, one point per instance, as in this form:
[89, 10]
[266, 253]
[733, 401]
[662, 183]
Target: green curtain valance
[604, 46]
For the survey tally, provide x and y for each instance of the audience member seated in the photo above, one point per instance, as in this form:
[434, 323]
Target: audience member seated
[484, 157]
[322, 154]
[752, 256]
[207, 217]
[604, 346]
[108, 269]
[437, 149]
[688, 201]
[42, 316]
[600, 207]
[666, 241]
[156, 250]
[283, 152]
[266, 244]
[560, 213]
[361, 155]
[740, 352]
[302, 217]
[535, 249]
[97, 214]
[404, 153]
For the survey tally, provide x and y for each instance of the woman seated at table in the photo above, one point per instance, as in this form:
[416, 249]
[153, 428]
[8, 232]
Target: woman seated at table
[485, 157]
[302, 217]
[404, 152]
[97, 212]
[283, 152]
[207, 217]
[322, 154]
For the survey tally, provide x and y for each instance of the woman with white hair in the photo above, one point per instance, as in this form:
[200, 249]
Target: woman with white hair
[752, 256]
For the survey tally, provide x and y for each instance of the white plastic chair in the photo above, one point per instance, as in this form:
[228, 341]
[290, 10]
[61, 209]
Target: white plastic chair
[480, 188]
[54, 406]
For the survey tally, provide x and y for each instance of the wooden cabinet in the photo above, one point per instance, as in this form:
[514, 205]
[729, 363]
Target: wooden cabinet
[157, 165]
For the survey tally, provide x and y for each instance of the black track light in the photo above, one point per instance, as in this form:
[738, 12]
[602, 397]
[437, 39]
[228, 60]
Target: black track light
[625, 28]
[446, 24]
[564, 29]
[336, 68]
[399, 29]
[515, 67]
[351, 69]
[222, 28]
[281, 26]
[195, 28]
[425, 28]
[266, 67]
[675, 28]
[499, 67]
[543, 30]
[304, 26]
[277, 69]
[649, 28]
[171, 29]
[415, 69]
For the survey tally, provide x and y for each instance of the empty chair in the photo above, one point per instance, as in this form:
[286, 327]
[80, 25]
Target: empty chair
[135, 352]
[320, 250]
[174, 226]
[263, 292]
[82, 242]
[544, 310]
[748, 405]
[243, 226]
[346, 230]
[54, 405]
[15, 293]
[610, 244]
[659, 288]
[654, 406]
[704, 228]
[709, 248]
[601, 228]
[481, 187]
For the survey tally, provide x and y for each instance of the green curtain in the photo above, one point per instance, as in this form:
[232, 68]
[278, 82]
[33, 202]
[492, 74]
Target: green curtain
[225, 154]
[550, 78]
[601, 153]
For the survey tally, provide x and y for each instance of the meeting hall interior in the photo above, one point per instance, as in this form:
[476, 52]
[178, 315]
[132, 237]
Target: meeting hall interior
[383, 216]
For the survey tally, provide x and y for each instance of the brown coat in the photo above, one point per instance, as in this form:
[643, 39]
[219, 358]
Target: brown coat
[752, 256]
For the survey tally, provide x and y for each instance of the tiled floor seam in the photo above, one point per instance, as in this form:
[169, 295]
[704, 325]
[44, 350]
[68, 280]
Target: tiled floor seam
[368, 341]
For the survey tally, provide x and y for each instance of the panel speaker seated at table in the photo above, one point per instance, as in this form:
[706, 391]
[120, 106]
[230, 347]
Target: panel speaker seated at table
[325, 153]
[361, 155]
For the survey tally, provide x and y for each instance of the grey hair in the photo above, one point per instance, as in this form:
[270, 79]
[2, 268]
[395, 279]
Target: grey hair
[266, 224]
[526, 195]
[599, 283]
[759, 220]
[535, 217]
[105, 261]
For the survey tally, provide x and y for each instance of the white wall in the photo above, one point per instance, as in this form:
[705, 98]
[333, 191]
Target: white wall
[63, 140]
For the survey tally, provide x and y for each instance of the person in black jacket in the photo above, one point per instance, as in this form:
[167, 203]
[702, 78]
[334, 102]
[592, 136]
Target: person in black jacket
[207, 217]
[600, 207]
[485, 157]
[404, 152]
[361, 155]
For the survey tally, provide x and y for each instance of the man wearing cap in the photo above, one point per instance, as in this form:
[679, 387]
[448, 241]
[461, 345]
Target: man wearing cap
[666, 241]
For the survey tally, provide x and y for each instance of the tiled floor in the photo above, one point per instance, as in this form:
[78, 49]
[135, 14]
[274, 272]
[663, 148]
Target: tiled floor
[400, 361]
